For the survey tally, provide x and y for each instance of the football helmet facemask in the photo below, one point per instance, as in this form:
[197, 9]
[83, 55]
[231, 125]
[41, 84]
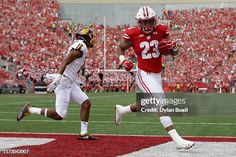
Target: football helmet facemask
[87, 36]
[146, 19]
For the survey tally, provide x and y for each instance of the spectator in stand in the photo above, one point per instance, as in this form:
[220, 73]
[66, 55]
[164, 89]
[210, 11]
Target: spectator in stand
[31, 34]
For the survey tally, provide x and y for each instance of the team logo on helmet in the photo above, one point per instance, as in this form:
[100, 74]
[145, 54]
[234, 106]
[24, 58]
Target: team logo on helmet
[146, 19]
[87, 35]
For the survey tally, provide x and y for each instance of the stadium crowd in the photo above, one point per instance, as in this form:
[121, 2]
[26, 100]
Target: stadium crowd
[30, 38]
[206, 39]
[34, 40]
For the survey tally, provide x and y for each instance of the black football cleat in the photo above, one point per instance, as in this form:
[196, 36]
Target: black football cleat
[88, 137]
[24, 112]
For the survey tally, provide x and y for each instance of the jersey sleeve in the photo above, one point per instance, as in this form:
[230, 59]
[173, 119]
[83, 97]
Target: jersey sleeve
[79, 45]
[127, 34]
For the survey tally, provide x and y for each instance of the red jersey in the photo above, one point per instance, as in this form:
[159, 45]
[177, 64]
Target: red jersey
[146, 46]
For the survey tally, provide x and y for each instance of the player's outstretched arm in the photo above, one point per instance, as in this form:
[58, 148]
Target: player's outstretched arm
[73, 54]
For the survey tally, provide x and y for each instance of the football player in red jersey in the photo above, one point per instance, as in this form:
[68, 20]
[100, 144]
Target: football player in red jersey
[149, 41]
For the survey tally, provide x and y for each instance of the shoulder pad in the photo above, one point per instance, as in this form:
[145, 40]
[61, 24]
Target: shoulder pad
[129, 32]
[79, 45]
[162, 29]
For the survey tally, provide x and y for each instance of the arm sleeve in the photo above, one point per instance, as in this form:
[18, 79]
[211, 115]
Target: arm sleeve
[127, 35]
[80, 45]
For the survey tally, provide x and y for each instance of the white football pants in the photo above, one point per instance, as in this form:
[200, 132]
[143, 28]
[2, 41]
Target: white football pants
[65, 91]
[150, 83]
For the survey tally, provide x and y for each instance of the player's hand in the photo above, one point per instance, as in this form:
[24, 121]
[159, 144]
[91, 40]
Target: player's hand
[53, 85]
[128, 65]
[167, 47]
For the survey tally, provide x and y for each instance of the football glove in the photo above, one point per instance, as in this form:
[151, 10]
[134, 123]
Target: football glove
[167, 47]
[128, 65]
[53, 85]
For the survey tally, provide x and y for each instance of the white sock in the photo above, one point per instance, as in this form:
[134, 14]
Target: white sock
[45, 112]
[126, 109]
[166, 121]
[84, 128]
[34, 110]
[175, 136]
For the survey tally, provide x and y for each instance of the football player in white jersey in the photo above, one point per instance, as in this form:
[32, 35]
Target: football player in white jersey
[65, 87]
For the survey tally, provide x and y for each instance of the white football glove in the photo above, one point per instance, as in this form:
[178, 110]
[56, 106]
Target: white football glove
[53, 85]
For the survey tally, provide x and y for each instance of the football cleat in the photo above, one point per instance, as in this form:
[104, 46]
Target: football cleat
[118, 115]
[87, 137]
[24, 112]
[185, 144]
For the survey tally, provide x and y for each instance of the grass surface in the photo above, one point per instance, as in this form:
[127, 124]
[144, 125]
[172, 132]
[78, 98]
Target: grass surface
[102, 116]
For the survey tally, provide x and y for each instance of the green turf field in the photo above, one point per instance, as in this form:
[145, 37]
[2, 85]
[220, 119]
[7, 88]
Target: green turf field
[211, 123]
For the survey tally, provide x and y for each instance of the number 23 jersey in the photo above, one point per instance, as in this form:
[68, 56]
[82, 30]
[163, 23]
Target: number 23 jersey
[146, 46]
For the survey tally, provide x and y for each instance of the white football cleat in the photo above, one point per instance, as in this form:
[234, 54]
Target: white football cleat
[184, 144]
[118, 115]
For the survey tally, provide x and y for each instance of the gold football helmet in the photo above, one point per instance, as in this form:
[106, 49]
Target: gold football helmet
[87, 35]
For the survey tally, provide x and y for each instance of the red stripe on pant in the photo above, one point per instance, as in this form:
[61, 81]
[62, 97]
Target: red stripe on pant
[143, 84]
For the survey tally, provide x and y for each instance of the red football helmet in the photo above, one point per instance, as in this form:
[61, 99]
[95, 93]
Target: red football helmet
[146, 19]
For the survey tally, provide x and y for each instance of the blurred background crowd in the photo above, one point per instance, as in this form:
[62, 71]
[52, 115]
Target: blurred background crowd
[34, 41]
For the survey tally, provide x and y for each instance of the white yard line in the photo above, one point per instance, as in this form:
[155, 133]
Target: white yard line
[39, 103]
[125, 122]
[52, 101]
[39, 133]
[71, 114]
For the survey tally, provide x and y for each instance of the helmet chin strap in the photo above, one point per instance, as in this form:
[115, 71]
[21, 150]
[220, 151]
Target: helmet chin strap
[146, 32]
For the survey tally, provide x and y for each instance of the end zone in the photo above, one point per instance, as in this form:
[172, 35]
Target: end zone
[118, 145]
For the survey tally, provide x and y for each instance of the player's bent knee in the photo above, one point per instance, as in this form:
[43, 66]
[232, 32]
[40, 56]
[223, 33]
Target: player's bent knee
[51, 113]
[86, 104]
[58, 117]
[60, 113]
